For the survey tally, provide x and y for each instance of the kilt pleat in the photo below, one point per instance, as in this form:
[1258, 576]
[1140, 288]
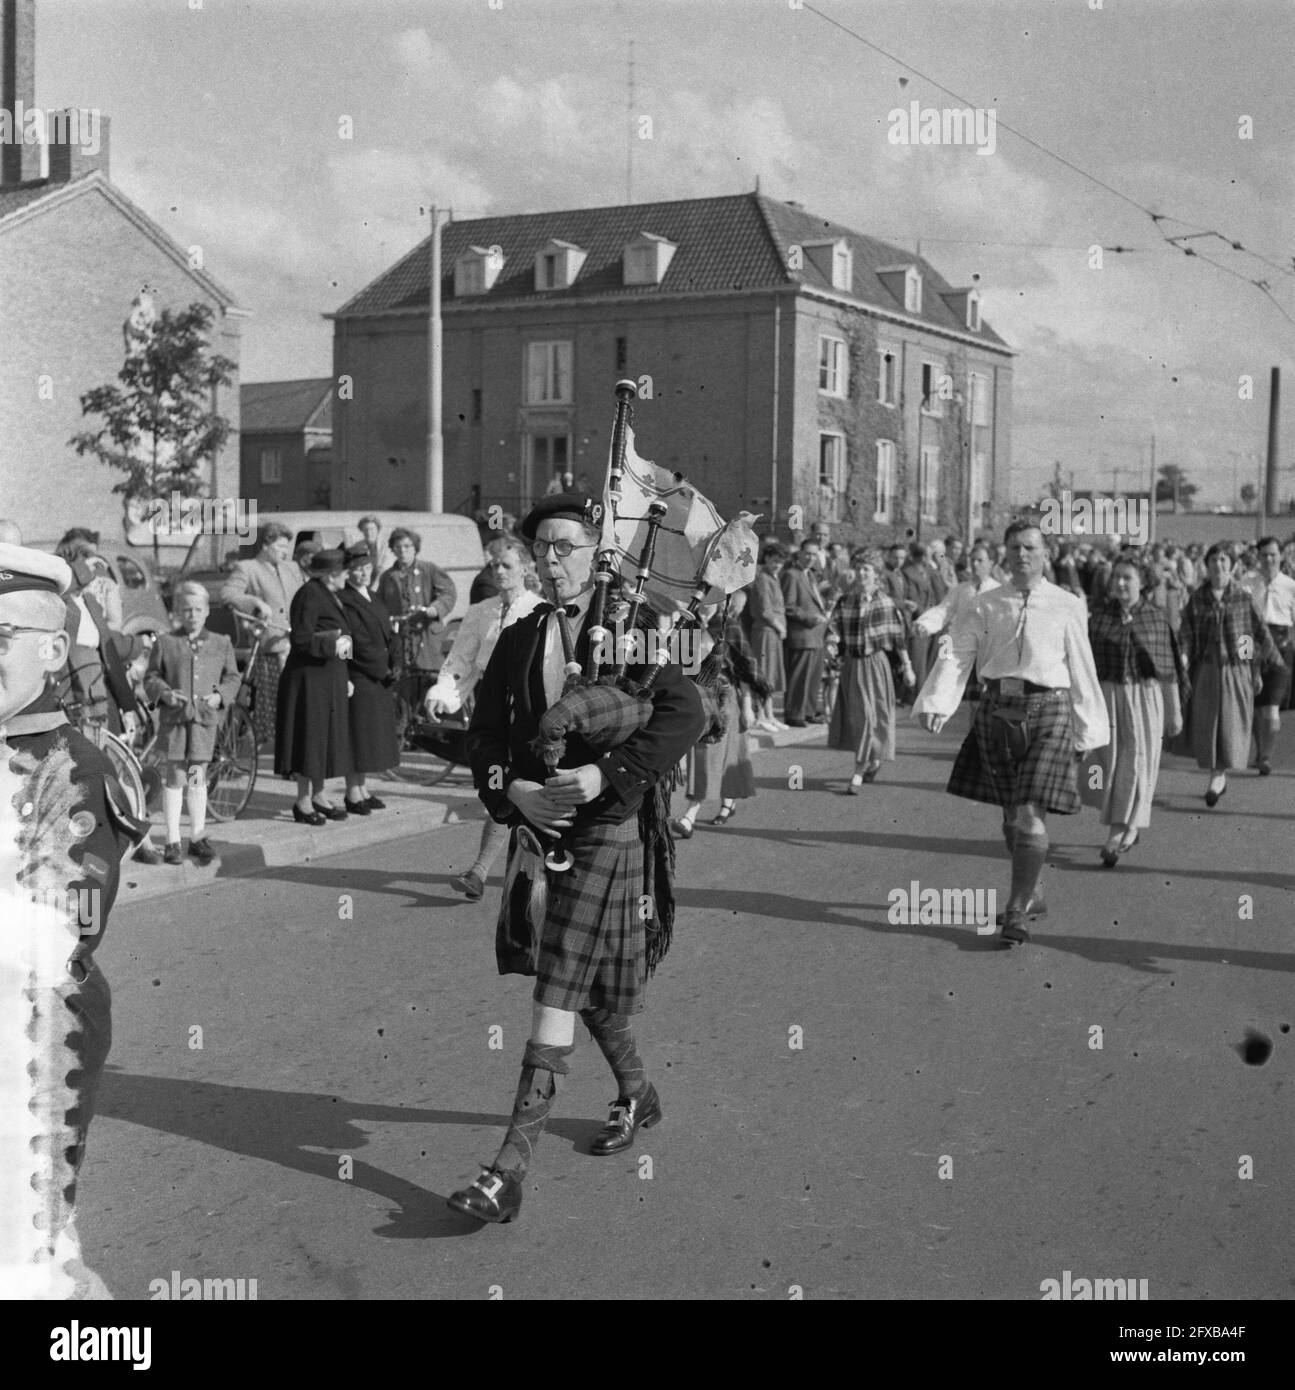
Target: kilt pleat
[1045, 776]
[591, 952]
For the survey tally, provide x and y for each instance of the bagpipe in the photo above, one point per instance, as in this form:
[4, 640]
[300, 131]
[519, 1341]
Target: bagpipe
[683, 556]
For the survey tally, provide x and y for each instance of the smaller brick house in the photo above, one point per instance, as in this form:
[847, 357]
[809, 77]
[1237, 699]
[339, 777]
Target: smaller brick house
[286, 452]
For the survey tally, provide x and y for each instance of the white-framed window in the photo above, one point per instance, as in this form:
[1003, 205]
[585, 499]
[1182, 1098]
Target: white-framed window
[887, 375]
[973, 311]
[833, 366]
[930, 484]
[646, 259]
[978, 395]
[831, 474]
[933, 374]
[549, 270]
[548, 373]
[557, 264]
[271, 466]
[913, 291]
[885, 480]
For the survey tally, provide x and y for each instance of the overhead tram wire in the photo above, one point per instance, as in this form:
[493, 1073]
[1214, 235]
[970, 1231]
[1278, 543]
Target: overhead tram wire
[1156, 217]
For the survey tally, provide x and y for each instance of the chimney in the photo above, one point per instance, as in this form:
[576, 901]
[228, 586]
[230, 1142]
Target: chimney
[19, 161]
[78, 144]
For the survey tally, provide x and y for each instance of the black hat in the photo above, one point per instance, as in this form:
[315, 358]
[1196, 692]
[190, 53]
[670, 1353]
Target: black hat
[564, 506]
[357, 553]
[327, 562]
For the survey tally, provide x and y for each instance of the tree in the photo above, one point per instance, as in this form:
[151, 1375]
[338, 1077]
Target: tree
[1172, 486]
[1248, 494]
[158, 426]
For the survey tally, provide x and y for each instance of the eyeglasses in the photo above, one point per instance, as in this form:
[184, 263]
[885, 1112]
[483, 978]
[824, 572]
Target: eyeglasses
[560, 548]
[8, 632]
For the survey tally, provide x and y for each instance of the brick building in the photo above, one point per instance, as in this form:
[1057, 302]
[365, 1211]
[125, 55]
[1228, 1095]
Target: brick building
[791, 361]
[74, 253]
[286, 449]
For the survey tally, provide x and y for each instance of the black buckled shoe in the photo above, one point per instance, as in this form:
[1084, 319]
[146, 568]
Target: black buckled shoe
[1015, 932]
[626, 1119]
[495, 1196]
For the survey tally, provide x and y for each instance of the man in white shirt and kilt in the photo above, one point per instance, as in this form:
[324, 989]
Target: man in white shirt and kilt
[1041, 707]
[584, 934]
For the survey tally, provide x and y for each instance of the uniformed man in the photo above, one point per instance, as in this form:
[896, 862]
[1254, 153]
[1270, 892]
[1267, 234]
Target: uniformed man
[66, 826]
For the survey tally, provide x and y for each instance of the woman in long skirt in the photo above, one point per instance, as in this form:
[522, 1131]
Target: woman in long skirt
[766, 621]
[371, 671]
[723, 768]
[312, 736]
[1225, 645]
[1137, 659]
[868, 628]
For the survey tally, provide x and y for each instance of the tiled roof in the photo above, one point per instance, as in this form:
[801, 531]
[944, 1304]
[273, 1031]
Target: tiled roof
[285, 405]
[732, 243]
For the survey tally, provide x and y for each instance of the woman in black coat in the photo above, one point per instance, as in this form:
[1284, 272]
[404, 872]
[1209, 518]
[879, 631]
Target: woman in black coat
[312, 737]
[371, 668]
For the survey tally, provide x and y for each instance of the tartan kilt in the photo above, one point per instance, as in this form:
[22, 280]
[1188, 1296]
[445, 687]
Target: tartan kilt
[984, 771]
[591, 950]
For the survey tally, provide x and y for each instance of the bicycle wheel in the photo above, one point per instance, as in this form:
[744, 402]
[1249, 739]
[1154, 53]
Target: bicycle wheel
[231, 776]
[127, 770]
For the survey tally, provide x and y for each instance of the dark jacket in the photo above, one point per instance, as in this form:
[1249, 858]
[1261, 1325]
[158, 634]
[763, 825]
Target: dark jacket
[312, 736]
[375, 639]
[510, 700]
[806, 614]
[421, 585]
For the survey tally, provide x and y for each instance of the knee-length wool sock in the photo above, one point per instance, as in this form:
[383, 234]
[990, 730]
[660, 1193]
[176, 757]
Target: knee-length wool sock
[1027, 864]
[536, 1091]
[616, 1042]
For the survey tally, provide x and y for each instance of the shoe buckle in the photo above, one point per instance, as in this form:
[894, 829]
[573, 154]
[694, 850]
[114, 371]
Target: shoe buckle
[492, 1188]
[620, 1114]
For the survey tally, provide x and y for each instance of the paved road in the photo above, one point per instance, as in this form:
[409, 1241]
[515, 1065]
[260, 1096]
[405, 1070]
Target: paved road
[924, 1050]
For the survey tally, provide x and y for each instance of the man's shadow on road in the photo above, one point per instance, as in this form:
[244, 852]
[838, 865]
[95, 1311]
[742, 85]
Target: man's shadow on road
[284, 1127]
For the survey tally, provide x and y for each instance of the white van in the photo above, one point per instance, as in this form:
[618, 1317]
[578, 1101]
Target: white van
[450, 541]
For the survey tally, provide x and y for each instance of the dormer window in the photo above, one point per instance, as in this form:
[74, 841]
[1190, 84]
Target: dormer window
[476, 270]
[834, 261]
[913, 290]
[646, 259]
[905, 283]
[965, 305]
[557, 264]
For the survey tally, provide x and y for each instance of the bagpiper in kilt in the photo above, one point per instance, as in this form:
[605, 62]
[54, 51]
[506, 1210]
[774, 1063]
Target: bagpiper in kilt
[581, 933]
[1042, 705]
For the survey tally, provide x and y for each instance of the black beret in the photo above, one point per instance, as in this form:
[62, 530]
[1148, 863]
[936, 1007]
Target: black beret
[563, 506]
[327, 562]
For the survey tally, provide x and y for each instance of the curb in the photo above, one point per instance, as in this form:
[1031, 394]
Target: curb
[283, 844]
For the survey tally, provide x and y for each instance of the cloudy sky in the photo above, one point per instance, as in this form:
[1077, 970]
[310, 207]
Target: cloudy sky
[228, 121]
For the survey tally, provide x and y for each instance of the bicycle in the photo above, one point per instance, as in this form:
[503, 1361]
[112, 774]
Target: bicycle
[231, 774]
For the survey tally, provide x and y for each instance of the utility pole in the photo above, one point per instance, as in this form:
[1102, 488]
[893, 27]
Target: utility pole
[1151, 534]
[435, 442]
[1268, 487]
